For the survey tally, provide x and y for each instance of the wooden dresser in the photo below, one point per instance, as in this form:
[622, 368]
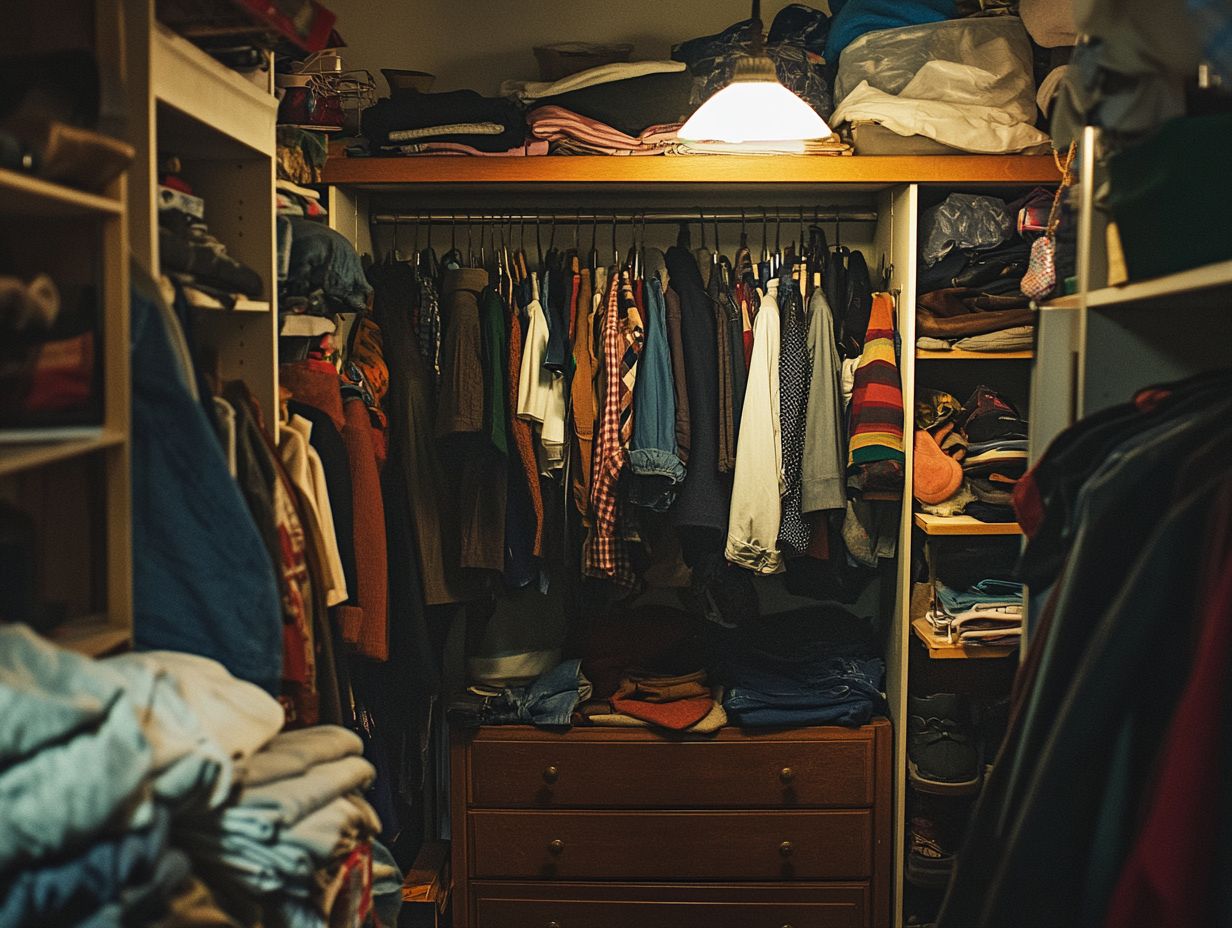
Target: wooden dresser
[631, 828]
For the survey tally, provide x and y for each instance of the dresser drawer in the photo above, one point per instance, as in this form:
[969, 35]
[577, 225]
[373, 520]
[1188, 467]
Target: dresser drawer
[747, 846]
[622, 905]
[738, 771]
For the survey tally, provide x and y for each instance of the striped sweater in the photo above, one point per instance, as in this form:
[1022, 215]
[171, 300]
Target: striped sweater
[877, 396]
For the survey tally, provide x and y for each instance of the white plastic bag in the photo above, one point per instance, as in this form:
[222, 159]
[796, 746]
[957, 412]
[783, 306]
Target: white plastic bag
[966, 83]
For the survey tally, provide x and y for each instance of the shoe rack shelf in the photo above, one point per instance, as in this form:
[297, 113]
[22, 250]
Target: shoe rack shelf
[73, 484]
[220, 124]
[25, 196]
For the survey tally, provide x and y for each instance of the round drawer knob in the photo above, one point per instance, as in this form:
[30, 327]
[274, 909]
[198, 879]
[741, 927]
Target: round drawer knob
[787, 775]
[787, 848]
[553, 924]
[787, 926]
[551, 773]
[556, 846]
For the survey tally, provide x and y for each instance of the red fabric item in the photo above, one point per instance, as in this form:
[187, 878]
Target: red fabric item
[63, 377]
[1168, 880]
[371, 558]
[1028, 504]
[677, 715]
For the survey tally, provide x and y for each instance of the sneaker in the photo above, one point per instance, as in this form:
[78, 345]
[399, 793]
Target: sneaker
[929, 860]
[942, 753]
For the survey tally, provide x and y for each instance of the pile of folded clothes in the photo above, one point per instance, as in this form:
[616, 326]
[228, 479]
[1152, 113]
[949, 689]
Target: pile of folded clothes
[321, 275]
[628, 108]
[548, 702]
[985, 614]
[973, 254]
[456, 122]
[786, 674]
[108, 769]
[293, 200]
[298, 830]
[968, 458]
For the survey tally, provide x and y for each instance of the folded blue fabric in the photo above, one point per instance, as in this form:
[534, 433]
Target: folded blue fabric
[853, 18]
[72, 889]
[772, 690]
[985, 593]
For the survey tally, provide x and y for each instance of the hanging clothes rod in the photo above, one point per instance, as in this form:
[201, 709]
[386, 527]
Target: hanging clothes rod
[786, 216]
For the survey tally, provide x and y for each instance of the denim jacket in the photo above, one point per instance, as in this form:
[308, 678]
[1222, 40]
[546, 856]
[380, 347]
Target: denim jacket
[548, 702]
[654, 458]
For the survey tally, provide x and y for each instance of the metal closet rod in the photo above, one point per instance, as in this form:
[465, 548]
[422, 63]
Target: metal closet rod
[478, 217]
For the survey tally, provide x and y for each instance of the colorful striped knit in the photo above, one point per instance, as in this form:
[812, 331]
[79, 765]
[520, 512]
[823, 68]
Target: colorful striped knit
[877, 397]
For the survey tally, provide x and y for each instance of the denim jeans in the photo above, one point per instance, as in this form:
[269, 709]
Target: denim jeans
[548, 702]
[986, 592]
[770, 690]
[654, 459]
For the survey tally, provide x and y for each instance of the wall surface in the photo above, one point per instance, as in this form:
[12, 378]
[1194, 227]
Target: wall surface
[479, 43]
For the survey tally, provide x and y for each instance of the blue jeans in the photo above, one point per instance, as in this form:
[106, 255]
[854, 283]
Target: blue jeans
[548, 702]
[654, 459]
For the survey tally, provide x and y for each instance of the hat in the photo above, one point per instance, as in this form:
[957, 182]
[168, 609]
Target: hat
[937, 475]
[677, 715]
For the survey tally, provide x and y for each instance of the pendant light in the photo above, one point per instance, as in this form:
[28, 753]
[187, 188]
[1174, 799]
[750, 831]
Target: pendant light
[754, 107]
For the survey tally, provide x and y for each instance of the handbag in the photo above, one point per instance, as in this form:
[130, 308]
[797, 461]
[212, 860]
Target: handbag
[1040, 280]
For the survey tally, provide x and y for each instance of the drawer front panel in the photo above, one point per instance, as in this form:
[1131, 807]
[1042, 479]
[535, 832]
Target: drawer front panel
[740, 846]
[673, 774]
[524, 913]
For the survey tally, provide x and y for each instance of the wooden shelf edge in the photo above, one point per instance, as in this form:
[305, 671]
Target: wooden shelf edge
[927, 354]
[18, 186]
[18, 456]
[963, 525]
[1068, 301]
[92, 636]
[676, 169]
[940, 649]
[1208, 277]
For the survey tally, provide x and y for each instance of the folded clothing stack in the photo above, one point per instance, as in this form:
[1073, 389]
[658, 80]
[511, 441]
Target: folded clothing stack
[298, 828]
[810, 686]
[987, 613]
[569, 133]
[968, 458]
[293, 200]
[488, 125]
[677, 702]
[188, 251]
[974, 251]
[98, 761]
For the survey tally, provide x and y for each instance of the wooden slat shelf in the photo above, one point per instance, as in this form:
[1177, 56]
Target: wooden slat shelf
[924, 354]
[24, 456]
[23, 195]
[940, 649]
[872, 171]
[963, 525]
[1069, 301]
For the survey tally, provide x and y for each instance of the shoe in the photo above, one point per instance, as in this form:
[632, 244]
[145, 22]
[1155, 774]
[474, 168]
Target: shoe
[942, 753]
[929, 860]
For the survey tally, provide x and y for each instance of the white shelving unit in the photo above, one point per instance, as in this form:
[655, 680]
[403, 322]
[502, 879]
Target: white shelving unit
[220, 124]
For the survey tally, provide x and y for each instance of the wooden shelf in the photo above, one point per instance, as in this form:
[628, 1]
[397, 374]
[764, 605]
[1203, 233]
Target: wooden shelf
[963, 525]
[940, 649]
[1069, 301]
[92, 636]
[199, 300]
[868, 171]
[1210, 285]
[23, 195]
[224, 113]
[925, 354]
[24, 456]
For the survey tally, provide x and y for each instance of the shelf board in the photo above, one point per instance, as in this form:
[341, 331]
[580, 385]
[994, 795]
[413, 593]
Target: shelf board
[1068, 301]
[1211, 284]
[925, 354]
[200, 300]
[92, 636]
[23, 195]
[20, 456]
[963, 525]
[868, 171]
[940, 649]
[223, 114]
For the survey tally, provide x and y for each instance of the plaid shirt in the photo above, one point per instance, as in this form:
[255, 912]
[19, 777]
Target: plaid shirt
[606, 552]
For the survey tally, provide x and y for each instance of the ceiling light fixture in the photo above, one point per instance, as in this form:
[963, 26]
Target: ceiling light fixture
[754, 107]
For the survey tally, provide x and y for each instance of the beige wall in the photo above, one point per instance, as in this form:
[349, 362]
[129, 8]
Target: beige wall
[479, 43]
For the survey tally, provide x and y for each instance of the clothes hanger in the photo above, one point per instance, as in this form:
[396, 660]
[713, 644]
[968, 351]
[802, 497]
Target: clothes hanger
[593, 258]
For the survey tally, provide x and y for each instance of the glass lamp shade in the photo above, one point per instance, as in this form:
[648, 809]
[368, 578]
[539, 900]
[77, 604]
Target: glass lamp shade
[754, 107]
